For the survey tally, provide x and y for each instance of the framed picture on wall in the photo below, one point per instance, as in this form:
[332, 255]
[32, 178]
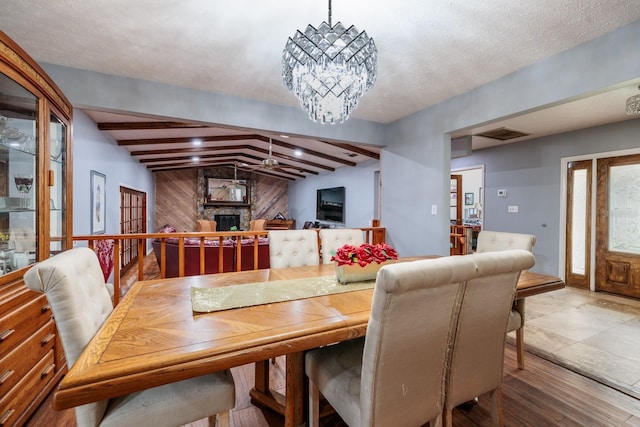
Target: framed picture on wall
[98, 182]
[468, 199]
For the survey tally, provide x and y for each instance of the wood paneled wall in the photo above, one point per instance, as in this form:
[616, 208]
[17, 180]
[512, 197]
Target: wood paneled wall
[176, 199]
[180, 198]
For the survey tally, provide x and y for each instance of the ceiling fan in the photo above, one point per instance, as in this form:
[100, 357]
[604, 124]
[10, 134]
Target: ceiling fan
[269, 163]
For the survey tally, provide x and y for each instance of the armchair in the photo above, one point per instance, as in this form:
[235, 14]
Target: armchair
[258, 225]
[206, 225]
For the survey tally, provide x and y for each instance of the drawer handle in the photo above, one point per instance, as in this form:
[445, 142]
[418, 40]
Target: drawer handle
[47, 370]
[6, 416]
[45, 308]
[6, 376]
[46, 339]
[5, 334]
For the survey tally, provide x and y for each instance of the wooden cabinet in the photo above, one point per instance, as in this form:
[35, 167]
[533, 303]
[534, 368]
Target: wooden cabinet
[280, 224]
[35, 223]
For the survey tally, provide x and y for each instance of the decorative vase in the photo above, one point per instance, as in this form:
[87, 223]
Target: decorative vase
[355, 273]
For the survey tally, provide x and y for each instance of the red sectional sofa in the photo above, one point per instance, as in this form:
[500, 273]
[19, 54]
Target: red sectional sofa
[192, 256]
[212, 253]
[247, 253]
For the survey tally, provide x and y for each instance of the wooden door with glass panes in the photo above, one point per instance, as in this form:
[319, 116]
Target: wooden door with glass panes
[578, 224]
[618, 225]
[133, 219]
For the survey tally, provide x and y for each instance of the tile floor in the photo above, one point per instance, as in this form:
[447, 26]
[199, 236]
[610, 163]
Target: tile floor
[593, 333]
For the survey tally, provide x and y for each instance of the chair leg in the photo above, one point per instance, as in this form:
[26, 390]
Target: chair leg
[436, 422]
[448, 417]
[520, 346]
[314, 405]
[220, 420]
[496, 407]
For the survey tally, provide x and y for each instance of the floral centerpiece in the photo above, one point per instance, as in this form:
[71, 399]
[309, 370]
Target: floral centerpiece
[361, 263]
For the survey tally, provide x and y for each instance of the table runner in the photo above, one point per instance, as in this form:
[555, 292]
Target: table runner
[205, 300]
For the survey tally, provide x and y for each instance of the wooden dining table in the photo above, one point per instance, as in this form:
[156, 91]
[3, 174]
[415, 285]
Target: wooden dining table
[153, 337]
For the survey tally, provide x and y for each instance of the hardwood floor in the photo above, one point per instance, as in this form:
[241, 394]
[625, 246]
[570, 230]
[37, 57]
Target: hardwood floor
[544, 394]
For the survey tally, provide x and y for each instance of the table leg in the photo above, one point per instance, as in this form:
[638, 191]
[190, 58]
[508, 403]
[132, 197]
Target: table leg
[262, 376]
[293, 406]
[294, 399]
[261, 394]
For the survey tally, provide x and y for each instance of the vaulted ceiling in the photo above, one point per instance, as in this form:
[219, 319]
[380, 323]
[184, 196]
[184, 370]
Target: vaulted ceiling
[164, 145]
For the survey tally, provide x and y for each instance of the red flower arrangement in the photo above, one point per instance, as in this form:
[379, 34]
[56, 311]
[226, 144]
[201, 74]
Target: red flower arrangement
[364, 254]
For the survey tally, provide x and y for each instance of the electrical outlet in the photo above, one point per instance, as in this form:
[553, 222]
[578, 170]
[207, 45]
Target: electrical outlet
[512, 209]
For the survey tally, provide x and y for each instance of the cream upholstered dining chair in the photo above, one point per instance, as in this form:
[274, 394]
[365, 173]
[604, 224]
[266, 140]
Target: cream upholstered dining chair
[74, 285]
[395, 375]
[206, 225]
[477, 357]
[489, 241]
[333, 238]
[293, 248]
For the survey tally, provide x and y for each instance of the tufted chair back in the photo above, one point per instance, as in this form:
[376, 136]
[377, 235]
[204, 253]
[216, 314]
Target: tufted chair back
[75, 288]
[333, 238]
[206, 225]
[490, 241]
[476, 362]
[293, 248]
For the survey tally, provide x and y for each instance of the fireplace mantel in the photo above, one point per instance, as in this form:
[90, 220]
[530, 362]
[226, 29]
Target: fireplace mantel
[223, 203]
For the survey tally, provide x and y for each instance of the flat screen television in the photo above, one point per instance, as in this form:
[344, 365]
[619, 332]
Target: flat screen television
[330, 204]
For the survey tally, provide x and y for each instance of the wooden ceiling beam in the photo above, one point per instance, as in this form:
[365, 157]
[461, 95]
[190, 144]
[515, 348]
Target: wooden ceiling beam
[148, 125]
[284, 144]
[224, 159]
[200, 150]
[188, 139]
[354, 149]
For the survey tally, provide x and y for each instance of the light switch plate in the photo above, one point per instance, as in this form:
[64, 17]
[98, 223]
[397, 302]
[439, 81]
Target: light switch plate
[434, 209]
[502, 193]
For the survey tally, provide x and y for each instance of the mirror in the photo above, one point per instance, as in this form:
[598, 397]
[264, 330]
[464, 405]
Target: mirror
[227, 191]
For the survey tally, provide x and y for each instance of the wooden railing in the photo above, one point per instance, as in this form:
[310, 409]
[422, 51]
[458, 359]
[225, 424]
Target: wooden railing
[373, 235]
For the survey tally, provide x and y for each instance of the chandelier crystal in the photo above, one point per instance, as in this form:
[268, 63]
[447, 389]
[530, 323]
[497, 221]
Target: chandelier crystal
[633, 105]
[329, 69]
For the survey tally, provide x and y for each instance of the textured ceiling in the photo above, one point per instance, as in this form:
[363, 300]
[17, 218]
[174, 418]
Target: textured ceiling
[428, 51]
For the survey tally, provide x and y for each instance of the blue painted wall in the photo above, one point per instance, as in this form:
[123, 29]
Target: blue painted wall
[93, 150]
[531, 172]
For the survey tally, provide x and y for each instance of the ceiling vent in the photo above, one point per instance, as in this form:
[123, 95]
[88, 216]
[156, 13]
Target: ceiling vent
[502, 134]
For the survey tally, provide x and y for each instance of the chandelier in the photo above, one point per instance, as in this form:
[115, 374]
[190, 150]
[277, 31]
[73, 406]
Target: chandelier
[633, 105]
[329, 69]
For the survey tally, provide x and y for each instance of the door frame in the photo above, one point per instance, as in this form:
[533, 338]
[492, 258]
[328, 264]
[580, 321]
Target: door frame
[481, 168]
[562, 244]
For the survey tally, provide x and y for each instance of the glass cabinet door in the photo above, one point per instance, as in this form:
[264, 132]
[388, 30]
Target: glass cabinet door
[57, 155]
[18, 176]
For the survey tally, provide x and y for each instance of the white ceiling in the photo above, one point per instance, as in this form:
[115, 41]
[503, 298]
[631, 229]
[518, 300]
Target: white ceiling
[428, 51]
